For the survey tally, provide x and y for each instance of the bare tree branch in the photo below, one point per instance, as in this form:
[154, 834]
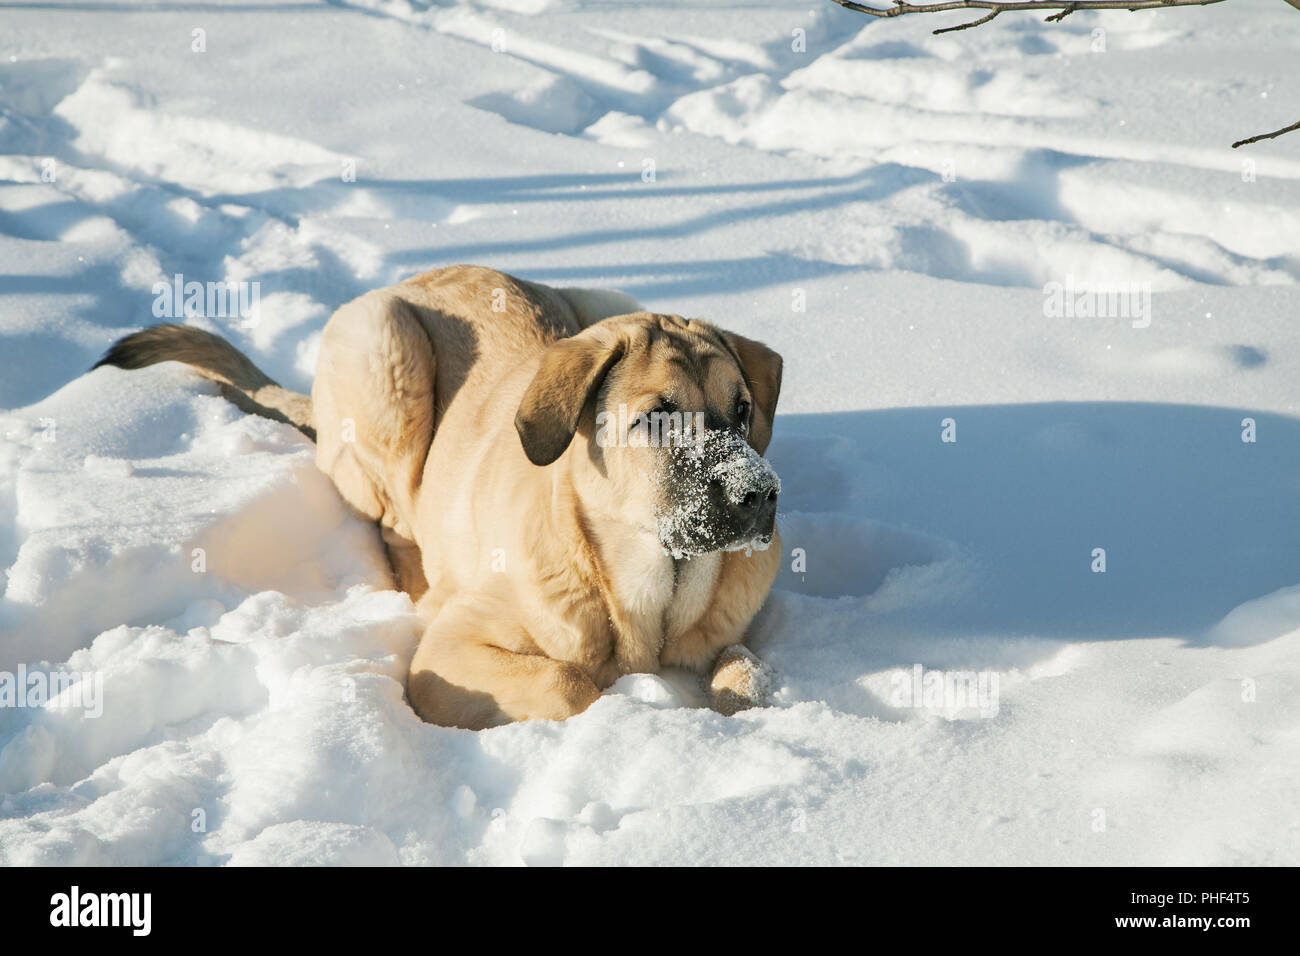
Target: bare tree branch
[1276, 132]
[1064, 8]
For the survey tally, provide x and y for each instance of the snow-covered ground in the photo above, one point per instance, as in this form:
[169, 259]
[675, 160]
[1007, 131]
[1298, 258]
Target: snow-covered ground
[883, 206]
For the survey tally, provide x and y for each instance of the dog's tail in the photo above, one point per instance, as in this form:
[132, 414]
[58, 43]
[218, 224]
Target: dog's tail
[241, 382]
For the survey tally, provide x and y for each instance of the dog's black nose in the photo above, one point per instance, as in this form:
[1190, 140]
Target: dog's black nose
[753, 508]
[764, 510]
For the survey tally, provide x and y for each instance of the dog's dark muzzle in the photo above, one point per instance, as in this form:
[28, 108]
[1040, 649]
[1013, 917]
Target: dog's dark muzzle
[726, 498]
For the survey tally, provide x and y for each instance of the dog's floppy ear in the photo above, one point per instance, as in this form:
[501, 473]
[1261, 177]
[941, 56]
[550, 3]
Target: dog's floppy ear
[762, 367]
[571, 371]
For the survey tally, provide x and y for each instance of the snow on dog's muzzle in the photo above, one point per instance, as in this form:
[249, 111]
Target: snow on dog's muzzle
[723, 495]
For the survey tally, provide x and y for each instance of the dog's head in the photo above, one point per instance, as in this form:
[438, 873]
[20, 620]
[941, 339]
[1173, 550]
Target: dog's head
[673, 416]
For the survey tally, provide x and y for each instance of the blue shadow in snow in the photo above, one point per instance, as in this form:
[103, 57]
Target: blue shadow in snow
[1193, 520]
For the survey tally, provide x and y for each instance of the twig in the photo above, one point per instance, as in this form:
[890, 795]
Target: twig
[967, 26]
[1276, 132]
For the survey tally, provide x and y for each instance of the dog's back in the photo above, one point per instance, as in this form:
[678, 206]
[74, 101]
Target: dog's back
[392, 363]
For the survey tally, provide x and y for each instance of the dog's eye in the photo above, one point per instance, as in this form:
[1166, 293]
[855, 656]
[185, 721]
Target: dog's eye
[742, 413]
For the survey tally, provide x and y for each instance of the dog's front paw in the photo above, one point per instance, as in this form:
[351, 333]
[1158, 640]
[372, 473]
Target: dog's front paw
[740, 681]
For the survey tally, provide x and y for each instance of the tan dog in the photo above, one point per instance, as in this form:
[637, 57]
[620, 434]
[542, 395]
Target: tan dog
[571, 488]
